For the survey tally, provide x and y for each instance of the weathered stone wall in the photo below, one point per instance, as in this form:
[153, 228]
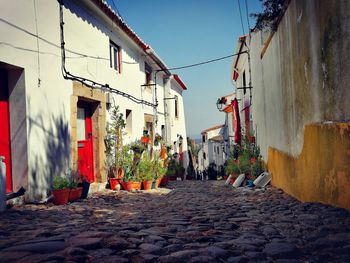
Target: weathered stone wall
[303, 79]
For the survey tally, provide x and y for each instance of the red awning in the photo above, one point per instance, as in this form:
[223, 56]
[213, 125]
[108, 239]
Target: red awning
[236, 121]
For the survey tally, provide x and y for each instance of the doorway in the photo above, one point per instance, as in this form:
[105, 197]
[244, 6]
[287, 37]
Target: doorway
[5, 141]
[85, 140]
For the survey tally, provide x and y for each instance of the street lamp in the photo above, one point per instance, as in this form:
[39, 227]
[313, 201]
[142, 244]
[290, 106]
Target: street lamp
[220, 103]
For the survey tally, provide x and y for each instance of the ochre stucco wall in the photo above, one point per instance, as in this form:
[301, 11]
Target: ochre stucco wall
[321, 172]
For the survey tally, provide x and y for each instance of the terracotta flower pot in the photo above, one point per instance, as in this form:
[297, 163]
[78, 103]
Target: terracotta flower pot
[75, 193]
[147, 185]
[60, 197]
[158, 182]
[113, 182]
[128, 186]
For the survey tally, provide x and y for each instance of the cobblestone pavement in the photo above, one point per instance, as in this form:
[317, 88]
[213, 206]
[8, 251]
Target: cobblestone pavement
[195, 222]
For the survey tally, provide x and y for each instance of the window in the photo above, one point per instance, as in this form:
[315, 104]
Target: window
[148, 72]
[162, 129]
[114, 56]
[244, 83]
[81, 124]
[204, 156]
[128, 121]
[203, 138]
[176, 107]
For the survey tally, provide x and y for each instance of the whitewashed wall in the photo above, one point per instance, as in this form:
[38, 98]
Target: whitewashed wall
[47, 104]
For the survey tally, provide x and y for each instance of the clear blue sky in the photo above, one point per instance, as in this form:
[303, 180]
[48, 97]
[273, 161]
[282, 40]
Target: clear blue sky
[184, 32]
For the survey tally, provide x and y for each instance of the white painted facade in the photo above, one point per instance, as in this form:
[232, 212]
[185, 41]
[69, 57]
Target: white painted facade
[212, 148]
[40, 98]
[241, 66]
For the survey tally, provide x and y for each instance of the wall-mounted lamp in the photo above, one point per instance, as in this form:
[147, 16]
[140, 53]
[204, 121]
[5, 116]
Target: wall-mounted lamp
[220, 103]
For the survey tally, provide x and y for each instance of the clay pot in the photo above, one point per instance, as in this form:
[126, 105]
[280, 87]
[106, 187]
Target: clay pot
[60, 197]
[128, 186]
[113, 182]
[147, 185]
[75, 193]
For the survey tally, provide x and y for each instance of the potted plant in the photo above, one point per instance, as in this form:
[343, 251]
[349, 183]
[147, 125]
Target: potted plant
[114, 147]
[160, 174]
[180, 171]
[60, 190]
[145, 138]
[130, 182]
[124, 161]
[157, 139]
[145, 171]
[171, 172]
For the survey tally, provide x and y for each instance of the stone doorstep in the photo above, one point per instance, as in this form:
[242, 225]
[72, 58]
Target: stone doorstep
[97, 187]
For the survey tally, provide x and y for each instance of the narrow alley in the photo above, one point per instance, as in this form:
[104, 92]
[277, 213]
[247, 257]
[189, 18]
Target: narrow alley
[192, 221]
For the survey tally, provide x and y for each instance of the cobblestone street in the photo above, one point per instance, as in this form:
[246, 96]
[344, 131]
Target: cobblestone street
[195, 222]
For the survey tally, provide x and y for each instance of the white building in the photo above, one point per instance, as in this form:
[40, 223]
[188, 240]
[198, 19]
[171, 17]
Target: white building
[61, 67]
[241, 78]
[212, 152]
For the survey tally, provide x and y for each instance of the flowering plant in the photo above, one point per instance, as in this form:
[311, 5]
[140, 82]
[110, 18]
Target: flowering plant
[157, 139]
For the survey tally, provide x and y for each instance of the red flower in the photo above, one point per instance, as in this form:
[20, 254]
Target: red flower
[145, 139]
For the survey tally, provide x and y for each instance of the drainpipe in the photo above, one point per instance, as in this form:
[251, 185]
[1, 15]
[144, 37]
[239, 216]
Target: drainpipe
[163, 68]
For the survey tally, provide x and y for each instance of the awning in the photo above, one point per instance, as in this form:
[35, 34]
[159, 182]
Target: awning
[236, 121]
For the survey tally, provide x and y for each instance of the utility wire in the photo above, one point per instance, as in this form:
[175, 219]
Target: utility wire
[81, 55]
[246, 10]
[204, 62]
[37, 42]
[240, 13]
[116, 9]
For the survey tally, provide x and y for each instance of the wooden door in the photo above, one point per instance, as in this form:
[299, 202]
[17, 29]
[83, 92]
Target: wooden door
[5, 141]
[85, 140]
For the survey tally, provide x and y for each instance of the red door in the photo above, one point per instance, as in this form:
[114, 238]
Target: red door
[84, 138]
[5, 142]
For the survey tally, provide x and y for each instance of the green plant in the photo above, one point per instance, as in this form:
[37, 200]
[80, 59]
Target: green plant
[244, 164]
[231, 166]
[257, 168]
[114, 140]
[180, 170]
[73, 184]
[125, 158]
[138, 147]
[145, 168]
[60, 183]
[157, 139]
[128, 176]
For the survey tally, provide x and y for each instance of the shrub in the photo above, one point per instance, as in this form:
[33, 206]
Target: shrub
[60, 183]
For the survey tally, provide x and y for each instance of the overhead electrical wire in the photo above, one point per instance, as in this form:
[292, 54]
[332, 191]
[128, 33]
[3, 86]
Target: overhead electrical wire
[246, 10]
[106, 87]
[202, 63]
[240, 14]
[88, 82]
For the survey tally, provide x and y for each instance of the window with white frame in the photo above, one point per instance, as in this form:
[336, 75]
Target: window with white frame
[114, 56]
